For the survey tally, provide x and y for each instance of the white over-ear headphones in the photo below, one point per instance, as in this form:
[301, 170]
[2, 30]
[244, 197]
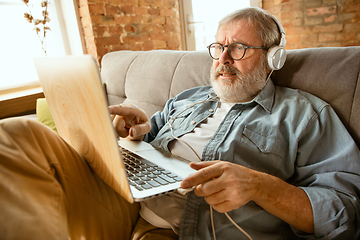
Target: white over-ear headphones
[276, 55]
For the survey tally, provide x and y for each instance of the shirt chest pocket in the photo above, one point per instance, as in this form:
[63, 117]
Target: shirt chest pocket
[266, 140]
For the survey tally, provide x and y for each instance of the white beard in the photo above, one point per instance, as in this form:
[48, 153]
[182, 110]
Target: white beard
[245, 88]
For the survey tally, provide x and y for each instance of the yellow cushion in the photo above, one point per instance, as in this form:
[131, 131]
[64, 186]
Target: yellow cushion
[43, 113]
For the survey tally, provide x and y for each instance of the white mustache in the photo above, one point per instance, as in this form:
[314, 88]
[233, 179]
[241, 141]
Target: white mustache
[226, 68]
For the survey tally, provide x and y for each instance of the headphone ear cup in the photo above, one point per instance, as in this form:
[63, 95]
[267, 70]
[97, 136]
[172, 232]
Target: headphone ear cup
[276, 57]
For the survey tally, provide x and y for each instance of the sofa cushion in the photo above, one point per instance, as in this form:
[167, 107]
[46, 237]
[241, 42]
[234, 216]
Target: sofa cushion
[148, 79]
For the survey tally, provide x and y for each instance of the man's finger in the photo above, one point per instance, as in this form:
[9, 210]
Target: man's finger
[126, 110]
[120, 126]
[206, 172]
[140, 129]
[199, 165]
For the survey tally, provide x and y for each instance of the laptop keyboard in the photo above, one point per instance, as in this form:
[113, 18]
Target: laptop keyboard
[143, 174]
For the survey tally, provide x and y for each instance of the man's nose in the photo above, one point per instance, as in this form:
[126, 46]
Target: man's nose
[225, 57]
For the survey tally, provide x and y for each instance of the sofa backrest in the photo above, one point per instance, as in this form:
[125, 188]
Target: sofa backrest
[149, 78]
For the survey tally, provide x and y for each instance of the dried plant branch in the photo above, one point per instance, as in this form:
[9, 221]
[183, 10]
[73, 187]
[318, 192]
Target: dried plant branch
[41, 32]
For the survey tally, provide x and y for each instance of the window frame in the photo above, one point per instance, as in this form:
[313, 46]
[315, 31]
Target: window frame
[21, 98]
[187, 23]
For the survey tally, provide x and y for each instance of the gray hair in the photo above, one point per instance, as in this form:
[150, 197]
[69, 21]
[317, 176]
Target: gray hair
[265, 26]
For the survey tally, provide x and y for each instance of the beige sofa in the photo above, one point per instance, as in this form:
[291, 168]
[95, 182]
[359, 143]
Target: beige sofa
[148, 79]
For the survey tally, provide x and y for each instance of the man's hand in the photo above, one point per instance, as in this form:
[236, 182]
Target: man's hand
[130, 121]
[225, 186]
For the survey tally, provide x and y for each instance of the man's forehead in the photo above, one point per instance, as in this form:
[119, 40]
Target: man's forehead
[238, 31]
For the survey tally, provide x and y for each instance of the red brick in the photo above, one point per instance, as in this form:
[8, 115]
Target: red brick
[99, 1]
[352, 27]
[99, 31]
[312, 38]
[330, 19]
[122, 20]
[313, 21]
[119, 47]
[84, 11]
[148, 45]
[313, 3]
[172, 21]
[111, 10]
[130, 29]
[321, 11]
[128, 10]
[101, 19]
[167, 12]
[350, 36]
[350, 6]
[141, 11]
[85, 21]
[329, 28]
[292, 15]
[115, 30]
[145, 28]
[139, 19]
[349, 17]
[297, 22]
[173, 44]
[151, 3]
[326, 37]
[154, 11]
[123, 2]
[101, 50]
[170, 4]
[292, 6]
[171, 28]
[82, 2]
[291, 39]
[157, 28]
[97, 9]
[107, 41]
[142, 37]
[158, 44]
[160, 36]
[299, 31]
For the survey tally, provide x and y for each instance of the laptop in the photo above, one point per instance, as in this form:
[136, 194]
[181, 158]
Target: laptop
[78, 104]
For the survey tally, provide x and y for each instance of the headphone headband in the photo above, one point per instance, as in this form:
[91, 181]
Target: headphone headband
[281, 30]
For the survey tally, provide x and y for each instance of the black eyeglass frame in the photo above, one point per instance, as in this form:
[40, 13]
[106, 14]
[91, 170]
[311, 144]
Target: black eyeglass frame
[228, 47]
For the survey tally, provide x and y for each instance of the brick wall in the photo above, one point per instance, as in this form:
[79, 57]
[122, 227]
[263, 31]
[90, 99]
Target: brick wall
[318, 23]
[112, 25]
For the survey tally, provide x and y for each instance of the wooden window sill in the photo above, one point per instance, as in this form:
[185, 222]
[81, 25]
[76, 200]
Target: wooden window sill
[19, 101]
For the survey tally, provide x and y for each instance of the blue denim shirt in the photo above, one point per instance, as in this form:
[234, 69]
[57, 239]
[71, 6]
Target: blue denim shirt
[288, 133]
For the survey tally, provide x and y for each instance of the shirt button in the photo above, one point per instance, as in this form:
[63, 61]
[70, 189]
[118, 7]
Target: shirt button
[211, 110]
[167, 138]
[193, 122]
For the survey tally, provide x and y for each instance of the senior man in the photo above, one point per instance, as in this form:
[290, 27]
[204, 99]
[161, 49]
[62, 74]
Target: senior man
[274, 163]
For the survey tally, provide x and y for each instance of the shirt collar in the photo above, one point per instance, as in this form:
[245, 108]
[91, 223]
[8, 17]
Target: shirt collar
[266, 97]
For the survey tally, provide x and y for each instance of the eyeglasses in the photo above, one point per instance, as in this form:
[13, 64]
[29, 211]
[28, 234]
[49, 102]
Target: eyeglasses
[235, 50]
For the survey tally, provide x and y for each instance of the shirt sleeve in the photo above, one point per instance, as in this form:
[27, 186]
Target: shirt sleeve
[328, 170]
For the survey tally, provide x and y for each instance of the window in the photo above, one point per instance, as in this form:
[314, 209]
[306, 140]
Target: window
[19, 43]
[200, 19]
